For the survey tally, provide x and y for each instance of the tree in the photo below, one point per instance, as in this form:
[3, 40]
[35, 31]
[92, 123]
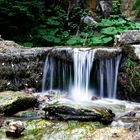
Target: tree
[18, 17]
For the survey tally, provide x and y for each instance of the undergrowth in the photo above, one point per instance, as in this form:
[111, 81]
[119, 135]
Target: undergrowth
[32, 24]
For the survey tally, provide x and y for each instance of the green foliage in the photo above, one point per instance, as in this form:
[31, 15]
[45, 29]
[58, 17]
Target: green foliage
[100, 40]
[137, 25]
[133, 71]
[51, 32]
[72, 124]
[75, 40]
[30, 23]
[74, 18]
[27, 44]
[18, 17]
[104, 32]
[116, 6]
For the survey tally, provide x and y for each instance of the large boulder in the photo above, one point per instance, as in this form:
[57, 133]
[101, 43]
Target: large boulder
[129, 37]
[12, 102]
[75, 111]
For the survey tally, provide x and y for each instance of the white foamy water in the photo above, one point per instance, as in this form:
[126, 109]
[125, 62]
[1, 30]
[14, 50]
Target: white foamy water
[137, 50]
[83, 61]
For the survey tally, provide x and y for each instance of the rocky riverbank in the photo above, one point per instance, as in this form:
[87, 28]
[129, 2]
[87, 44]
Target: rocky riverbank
[60, 122]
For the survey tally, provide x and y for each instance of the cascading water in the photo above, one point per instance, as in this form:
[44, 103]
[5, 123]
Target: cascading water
[83, 60]
[108, 71]
[56, 75]
[76, 78]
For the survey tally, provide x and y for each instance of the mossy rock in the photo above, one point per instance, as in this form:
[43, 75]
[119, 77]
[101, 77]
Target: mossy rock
[81, 112]
[129, 80]
[57, 130]
[12, 102]
[71, 130]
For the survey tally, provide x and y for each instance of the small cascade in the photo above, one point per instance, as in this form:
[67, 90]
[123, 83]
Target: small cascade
[56, 75]
[108, 71]
[83, 78]
[83, 61]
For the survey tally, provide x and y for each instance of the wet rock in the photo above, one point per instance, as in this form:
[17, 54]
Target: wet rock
[115, 106]
[29, 90]
[128, 37]
[1, 120]
[8, 46]
[122, 124]
[89, 20]
[109, 133]
[95, 98]
[137, 114]
[136, 51]
[128, 119]
[22, 68]
[105, 7]
[1, 39]
[136, 136]
[35, 113]
[131, 123]
[15, 128]
[12, 102]
[106, 53]
[75, 111]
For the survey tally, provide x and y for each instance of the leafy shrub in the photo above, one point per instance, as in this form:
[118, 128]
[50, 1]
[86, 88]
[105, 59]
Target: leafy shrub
[104, 32]
[51, 32]
[18, 17]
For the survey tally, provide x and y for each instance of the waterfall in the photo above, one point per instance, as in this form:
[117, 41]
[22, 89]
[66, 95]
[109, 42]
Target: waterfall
[108, 71]
[83, 60]
[101, 79]
[46, 70]
[76, 77]
[57, 75]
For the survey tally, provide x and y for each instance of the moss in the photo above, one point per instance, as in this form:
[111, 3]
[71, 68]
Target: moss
[133, 71]
[129, 80]
[41, 129]
[12, 102]
[76, 111]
